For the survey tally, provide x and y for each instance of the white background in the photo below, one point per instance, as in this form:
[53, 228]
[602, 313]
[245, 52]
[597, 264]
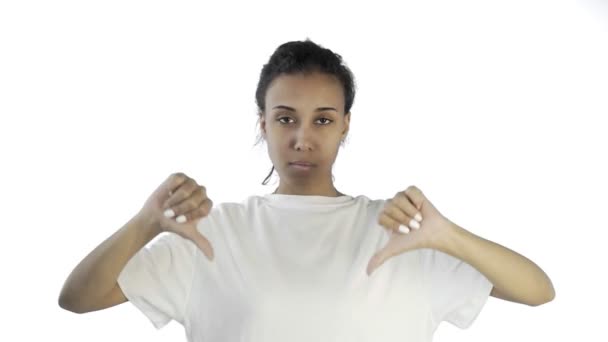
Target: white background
[496, 110]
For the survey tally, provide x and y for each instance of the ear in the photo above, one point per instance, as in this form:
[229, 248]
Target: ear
[262, 124]
[346, 125]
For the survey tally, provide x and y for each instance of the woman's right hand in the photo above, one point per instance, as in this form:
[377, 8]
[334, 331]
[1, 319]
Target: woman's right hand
[179, 197]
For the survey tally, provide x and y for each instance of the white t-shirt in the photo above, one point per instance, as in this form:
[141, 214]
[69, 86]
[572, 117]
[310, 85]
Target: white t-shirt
[293, 268]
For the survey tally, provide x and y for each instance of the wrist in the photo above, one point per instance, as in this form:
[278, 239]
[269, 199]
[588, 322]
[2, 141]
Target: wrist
[447, 241]
[145, 223]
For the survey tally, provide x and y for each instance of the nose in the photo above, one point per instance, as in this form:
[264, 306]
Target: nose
[303, 139]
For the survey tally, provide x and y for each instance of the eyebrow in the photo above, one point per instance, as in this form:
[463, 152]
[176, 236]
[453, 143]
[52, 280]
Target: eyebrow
[320, 109]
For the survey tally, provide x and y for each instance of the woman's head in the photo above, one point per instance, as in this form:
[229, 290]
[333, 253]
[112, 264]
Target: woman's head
[304, 97]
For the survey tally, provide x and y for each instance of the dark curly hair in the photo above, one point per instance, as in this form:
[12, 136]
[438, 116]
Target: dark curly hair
[303, 57]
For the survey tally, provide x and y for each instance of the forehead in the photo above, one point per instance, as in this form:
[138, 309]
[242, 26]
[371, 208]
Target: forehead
[316, 87]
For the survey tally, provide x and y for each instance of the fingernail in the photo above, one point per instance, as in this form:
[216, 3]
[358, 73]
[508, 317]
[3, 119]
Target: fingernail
[181, 219]
[169, 213]
[414, 224]
[404, 229]
[418, 217]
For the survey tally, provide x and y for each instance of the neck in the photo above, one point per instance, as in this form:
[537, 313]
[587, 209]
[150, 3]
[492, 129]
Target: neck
[329, 193]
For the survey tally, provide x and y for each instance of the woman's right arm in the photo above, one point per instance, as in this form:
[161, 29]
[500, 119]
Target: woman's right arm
[93, 285]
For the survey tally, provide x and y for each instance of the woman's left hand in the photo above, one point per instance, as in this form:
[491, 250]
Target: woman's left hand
[402, 210]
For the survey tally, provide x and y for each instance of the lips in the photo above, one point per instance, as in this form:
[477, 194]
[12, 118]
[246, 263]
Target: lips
[302, 163]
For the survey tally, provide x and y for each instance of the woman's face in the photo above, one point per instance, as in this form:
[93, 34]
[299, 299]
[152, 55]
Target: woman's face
[311, 131]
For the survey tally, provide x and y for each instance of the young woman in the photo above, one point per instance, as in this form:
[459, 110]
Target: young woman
[306, 262]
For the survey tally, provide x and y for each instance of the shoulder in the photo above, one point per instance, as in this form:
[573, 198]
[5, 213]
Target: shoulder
[373, 204]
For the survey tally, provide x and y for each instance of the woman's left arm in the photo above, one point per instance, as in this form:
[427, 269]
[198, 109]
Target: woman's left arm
[515, 277]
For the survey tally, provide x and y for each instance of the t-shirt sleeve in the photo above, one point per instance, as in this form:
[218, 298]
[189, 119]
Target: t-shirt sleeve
[158, 278]
[456, 290]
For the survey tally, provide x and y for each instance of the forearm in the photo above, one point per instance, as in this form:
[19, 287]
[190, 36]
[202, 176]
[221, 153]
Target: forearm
[96, 274]
[511, 273]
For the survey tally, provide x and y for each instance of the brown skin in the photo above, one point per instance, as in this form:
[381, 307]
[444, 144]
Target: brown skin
[305, 134]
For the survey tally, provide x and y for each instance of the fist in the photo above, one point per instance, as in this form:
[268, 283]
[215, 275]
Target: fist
[176, 206]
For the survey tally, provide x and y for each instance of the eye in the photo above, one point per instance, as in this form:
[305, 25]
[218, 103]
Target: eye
[328, 121]
[283, 117]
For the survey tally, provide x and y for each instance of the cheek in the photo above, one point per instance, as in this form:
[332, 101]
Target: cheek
[274, 151]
